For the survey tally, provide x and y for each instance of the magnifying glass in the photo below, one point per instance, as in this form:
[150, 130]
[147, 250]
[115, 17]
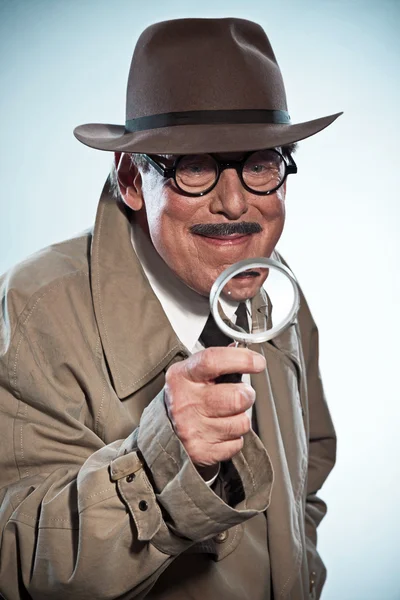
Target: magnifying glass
[270, 293]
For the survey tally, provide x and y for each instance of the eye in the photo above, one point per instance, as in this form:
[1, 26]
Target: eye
[194, 168]
[196, 172]
[196, 164]
[258, 168]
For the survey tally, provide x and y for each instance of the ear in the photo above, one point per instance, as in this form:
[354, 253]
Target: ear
[129, 180]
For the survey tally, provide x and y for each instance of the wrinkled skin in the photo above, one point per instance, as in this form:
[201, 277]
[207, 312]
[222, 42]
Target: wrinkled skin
[209, 419]
[168, 216]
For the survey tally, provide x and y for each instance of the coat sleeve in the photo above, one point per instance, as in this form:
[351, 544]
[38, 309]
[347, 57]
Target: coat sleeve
[322, 444]
[81, 518]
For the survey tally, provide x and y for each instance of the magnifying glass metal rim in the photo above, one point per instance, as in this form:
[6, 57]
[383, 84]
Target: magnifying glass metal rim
[235, 269]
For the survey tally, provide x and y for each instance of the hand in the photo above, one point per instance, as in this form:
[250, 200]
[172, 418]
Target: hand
[209, 418]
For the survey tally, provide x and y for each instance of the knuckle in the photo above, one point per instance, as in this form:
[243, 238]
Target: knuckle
[230, 427]
[207, 456]
[250, 358]
[181, 415]
[241, 398]
[209, 402]
[172, 375]
[200, 454]
[245, 424]
[227, 450]
[238, 445]
[237, 399]
[249, 394]
[237, 426]
[208, 359]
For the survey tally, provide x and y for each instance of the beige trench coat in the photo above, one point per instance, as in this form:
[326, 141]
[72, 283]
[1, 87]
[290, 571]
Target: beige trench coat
[98, 497]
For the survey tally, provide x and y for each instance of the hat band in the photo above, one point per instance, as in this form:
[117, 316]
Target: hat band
[208, 117]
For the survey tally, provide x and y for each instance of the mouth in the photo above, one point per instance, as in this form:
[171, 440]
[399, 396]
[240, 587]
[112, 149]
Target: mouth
[233, 239]
[247, 275]
[245, 285]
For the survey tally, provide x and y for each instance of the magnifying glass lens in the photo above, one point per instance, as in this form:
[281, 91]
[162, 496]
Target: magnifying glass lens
[254, 300]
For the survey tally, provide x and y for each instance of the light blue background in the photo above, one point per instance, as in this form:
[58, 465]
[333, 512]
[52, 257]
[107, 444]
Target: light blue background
[63, 63]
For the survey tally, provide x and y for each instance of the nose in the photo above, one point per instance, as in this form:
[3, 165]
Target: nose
[229, 197]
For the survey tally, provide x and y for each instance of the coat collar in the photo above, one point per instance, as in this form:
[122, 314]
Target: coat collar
[137, 337]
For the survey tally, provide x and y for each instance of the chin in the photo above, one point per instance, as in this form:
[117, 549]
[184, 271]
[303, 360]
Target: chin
[245, 286]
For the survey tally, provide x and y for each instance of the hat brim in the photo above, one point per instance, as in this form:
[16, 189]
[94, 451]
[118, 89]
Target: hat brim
[193, 139]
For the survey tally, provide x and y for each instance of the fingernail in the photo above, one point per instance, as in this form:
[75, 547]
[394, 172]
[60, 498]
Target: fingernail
[259, 362]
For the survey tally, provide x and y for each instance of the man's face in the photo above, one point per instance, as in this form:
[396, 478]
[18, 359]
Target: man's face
[176, 223]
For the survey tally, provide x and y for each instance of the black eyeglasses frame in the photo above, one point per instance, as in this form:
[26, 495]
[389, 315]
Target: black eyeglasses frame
[170, 172]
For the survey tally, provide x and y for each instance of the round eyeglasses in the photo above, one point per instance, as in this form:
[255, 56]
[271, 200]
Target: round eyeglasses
[261, 172]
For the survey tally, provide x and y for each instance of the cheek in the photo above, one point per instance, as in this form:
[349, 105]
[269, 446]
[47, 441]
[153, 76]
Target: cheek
[274, 208]
[272, 212]
[280, 208]
[167, 216]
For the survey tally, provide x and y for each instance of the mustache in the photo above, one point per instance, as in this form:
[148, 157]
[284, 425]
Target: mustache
[221, 229]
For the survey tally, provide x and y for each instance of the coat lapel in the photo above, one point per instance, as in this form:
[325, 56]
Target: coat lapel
[125, 306]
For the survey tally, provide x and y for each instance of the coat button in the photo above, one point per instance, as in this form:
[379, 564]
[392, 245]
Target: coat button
[220, 538]
[143, 505]
[313, 577]
[130, 478]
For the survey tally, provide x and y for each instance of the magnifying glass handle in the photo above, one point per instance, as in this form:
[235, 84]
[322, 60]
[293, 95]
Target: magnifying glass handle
[229, 378]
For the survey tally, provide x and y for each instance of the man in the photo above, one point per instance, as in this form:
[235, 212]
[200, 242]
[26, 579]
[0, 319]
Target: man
[127, 470]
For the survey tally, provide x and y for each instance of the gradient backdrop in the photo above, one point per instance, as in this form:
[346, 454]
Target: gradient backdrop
[63, 63]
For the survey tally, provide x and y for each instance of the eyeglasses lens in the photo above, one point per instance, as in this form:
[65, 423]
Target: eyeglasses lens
[264, 170]
[196, 173]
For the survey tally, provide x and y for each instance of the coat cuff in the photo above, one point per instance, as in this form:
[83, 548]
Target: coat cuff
[191, 509]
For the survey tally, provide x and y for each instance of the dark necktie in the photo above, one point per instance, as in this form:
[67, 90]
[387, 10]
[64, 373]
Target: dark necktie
[213, 336]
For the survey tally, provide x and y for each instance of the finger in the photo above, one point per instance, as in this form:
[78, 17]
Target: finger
[215, 453]
[226, 400]
[229, 428]
[226, 450]
[212, 362]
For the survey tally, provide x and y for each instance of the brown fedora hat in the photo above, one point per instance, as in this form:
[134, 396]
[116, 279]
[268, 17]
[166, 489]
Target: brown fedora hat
[202, 85]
